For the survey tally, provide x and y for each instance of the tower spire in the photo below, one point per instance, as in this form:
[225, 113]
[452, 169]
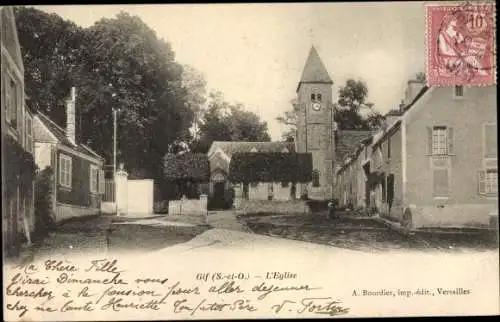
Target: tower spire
[314, 70]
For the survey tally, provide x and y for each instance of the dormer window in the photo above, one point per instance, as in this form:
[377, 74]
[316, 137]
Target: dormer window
[458, 91]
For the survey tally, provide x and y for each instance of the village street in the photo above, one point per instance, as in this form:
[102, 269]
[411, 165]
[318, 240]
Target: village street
[108, 235]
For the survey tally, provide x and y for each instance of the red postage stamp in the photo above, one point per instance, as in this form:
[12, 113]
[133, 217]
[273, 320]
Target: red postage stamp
[460, 44]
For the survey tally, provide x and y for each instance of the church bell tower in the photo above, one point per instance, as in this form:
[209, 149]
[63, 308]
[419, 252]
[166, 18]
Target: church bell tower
[315, 126]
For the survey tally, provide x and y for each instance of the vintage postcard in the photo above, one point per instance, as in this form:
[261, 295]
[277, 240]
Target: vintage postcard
[242, 161]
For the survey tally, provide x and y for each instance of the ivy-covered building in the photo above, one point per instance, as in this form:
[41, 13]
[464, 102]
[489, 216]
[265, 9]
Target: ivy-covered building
[18, 167]
[220, 155]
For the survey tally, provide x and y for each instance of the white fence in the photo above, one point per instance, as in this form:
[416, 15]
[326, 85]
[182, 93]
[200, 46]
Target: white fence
[128, 197]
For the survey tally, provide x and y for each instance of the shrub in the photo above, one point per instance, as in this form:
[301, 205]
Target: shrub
[44, 212]
[270, 167]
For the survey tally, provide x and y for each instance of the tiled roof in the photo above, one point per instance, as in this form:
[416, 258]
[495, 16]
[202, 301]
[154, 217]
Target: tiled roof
[348, 141]
[314, 70]
[232, 147]
[60, 135]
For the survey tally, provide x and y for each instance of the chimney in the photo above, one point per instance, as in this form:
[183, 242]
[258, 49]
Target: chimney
[392, 116]
[414, 87]
[70, 116]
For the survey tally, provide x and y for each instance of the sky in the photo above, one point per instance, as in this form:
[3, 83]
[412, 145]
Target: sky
[255, 53]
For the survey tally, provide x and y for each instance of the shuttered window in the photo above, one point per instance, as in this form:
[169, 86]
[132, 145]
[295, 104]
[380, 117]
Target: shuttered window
[94, 178]
[488, 182]
[102, 182]
[11, 100]
[441, 167]
[315, 178]
[65, 170]
[440, 141]
[490, 141]
[29, 133]
[441, 182]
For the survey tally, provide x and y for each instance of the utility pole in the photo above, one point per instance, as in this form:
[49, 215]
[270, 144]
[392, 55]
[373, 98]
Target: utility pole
[114, 142]
[115, 126]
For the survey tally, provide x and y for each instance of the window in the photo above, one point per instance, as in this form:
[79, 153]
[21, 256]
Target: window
[94, 179]
[11, 101]
[318, 97]
[441, 177]
[315, 178]
[439, 140]
[388, 147]
[490, 141]
[313, 97]
[29, 133]
[65, 171]
[285, 184]
[458, 91]
[488, 182]
[491, 181]
[102, 186]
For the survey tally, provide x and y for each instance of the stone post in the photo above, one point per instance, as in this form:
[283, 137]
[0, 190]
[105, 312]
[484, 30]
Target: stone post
[204, 206]
[121, 190]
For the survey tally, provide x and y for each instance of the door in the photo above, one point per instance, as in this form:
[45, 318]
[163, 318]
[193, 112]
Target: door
[219, 199]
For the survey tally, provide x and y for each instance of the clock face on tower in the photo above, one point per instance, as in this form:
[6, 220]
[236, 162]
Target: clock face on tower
[316, 106]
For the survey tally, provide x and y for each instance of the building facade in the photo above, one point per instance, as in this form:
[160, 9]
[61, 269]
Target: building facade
[18, 167]
[78, 179]
[315, 126]
[219, 157]
[435, 164]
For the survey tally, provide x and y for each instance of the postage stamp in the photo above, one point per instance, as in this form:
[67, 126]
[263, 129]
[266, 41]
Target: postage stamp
[460, 44]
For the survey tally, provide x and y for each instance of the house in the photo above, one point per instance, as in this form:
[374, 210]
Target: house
[78, 176]
[434, 164]
[18, 167]
[219, 156]
[350, 187]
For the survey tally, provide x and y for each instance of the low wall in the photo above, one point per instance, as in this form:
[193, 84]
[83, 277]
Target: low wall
[273, 206]
[108, 207]
[458, 215]
[188, 206]
[63, 211]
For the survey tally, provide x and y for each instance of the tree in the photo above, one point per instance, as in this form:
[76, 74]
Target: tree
[352, 105]
[52, 50]
[194, 83]
[223, 121]
[352, 111]
[116, 63]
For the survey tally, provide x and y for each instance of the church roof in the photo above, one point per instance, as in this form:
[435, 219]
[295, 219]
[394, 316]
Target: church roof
[232, 147]
[314, 70]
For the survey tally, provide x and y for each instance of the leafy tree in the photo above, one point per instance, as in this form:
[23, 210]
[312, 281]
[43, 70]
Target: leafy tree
[194, 83]
[116, 63]
[223, 121]
[352, 111]
[52, 50]
[351, 105]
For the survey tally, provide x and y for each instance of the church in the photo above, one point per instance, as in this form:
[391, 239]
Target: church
[317, 132]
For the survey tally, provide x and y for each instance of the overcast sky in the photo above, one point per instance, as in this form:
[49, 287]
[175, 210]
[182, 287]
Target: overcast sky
[255, 53]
